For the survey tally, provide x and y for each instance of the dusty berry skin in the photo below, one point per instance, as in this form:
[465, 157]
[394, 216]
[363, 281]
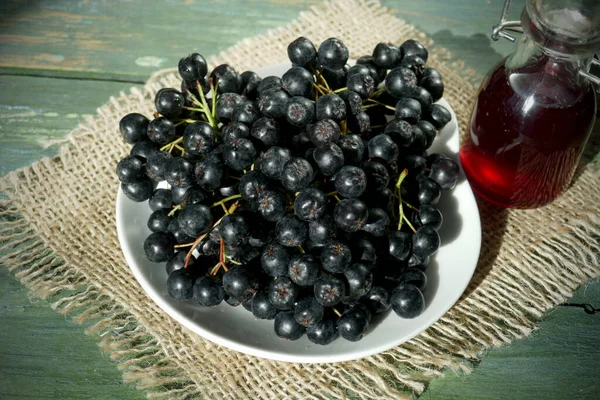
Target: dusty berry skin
[179, 172]
[246, 112]
[310, 204]
[414, 47]
[195, 219]
[282, 293]
[333, 54]
[350, 215]
[425, 242]
[226, 79]
[158, 247]
[444, 172]
[272, 104]
[272, 161]
[401, 82]
[423, 97]
[401, 133]
[198, 138]
[266, 130]
[297, 174]
[159, 221]
[429, 192]
[431, 80]
[209, 172]
[377, 174]
[353, 324]
[133, 127]
[161, 199]
[350, 181]
[161, 131]
[302, 52]
[377, 300]
[275, 259]
[377, 222]
[331, 106]
[428, 216]
[323, 230]
[262, 307]
[299, 111]
[359, 123]
[235, 130]
[227, 104]
[267, 84]
[360, 280]
[399, 245]
[286, 326]
[329, 290]
[169, 102]
[208, 292]
[353, 102]
[407, 301]
[385, 55]
[383, 148]
[271, 205]
[249, 84]
[438, 115]
[180, 285]
[362, 84]
[156, 164]
[138, 191]
[297, 81]
[323, 332]
[303, 269]
[376, 72]
[192, 67]
[252, 185]
[329, 158]
[131, 169]
[353, 148]
[414, 276]
[323, 132]
[291, 231]
[336, 257]
[308, 311]
[241, 283]
[239, 154]
[408, 109]
[234, 230]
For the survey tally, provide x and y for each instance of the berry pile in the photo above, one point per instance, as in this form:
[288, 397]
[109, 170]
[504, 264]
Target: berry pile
[309, 199]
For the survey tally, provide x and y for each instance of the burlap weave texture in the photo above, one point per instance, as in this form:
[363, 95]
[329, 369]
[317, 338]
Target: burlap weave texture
[58, 232]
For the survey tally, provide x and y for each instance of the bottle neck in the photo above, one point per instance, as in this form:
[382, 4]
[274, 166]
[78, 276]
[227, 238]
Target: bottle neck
[552, 77]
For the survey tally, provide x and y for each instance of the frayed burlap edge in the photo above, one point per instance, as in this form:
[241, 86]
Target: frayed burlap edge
[512, 288]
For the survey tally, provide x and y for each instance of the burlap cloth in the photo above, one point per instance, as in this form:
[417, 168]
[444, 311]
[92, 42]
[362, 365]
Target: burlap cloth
[58, 235]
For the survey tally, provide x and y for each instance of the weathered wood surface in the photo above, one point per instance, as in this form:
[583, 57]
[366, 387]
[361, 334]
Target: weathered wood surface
[59, 60]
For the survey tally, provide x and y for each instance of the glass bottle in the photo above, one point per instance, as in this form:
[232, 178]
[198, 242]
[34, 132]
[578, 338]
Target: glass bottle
[535, 110]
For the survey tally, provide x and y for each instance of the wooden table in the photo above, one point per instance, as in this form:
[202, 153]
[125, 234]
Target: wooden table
[59, 60]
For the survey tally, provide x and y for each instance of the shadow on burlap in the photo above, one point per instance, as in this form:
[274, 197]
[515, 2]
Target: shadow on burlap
[58, 232]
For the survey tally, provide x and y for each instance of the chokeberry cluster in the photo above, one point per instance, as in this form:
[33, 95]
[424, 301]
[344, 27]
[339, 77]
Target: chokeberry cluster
[309, 199]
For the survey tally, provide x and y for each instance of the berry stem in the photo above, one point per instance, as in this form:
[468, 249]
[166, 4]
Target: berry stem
[169, 146]
[335, 196]
[201, 237]
[319, 89]
[336, 311]
[331, 194]
[185, 121]
[381, 104]
[377, 93]
[340, 90]
[225, 200]
[301, 249]
[174, 210]
[213, 92]
[401, 216]
[410, 205]
[206, 112]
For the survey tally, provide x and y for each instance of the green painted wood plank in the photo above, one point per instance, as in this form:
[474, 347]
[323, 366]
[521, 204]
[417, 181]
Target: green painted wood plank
[36, 110]
[560, 360]
[45, 356]
[131, 39]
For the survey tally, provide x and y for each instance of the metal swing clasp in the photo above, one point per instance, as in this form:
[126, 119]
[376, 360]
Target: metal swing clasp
[498, 31]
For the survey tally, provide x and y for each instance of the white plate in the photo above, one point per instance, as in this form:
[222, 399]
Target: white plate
[448, 275]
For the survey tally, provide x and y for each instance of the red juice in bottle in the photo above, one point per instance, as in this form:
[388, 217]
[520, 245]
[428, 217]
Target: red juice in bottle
[527, 132]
